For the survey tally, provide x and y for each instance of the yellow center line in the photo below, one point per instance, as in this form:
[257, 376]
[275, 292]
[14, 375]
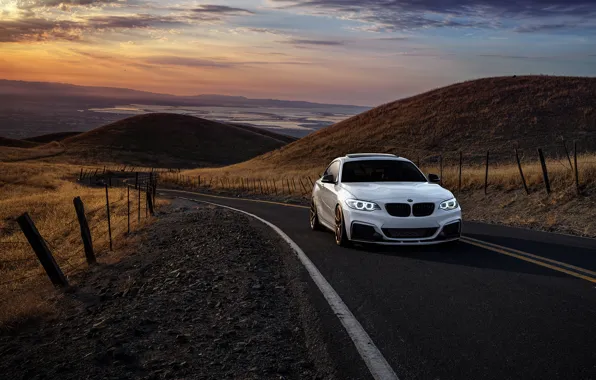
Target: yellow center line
[569, 266]
[538, 260]
[504, 252]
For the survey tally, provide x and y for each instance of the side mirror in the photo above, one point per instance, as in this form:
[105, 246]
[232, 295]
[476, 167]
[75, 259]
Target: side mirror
[433, 178]
[328, 178]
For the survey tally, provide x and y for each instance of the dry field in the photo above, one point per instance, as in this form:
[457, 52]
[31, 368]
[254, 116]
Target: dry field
[46, 192]
[503, 177]
[14, 154]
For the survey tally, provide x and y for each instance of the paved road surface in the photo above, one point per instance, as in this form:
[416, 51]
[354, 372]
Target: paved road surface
[524, 308]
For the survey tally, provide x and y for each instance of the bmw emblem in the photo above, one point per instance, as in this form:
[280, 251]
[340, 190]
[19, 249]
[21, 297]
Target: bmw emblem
[410, 200]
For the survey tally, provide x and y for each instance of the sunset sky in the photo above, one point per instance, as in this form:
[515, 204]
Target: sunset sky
[341, 51]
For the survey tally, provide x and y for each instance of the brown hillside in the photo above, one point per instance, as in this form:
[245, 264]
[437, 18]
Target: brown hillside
[170, 140]
[50, 137]
[493, 114]
[13, 143]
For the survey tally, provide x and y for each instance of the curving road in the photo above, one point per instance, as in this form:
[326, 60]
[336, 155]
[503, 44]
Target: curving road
[507, 304]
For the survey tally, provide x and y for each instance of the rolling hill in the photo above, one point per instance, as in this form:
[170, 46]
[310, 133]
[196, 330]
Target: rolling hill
[495, 114]
[170, 140]
[14, 143]
[48, 138]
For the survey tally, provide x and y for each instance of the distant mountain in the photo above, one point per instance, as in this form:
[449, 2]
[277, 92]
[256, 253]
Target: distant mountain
[241, 101]
[37, 108]
[62, 92]
[171, 140]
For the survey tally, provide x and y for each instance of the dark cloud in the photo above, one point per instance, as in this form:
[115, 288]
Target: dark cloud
[30, 4]
[392, 39]
[221, 9]
[135, 21]
[393, 15]
[186, 61]
[39, 30]
[544, 27]
[298, 41]
[208, 63]
[510, 56]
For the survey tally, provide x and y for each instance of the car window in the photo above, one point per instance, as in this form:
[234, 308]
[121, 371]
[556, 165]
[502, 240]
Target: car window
[333, 169]
[381, 171]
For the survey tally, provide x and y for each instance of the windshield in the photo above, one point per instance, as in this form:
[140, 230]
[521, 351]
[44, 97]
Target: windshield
[381, 171]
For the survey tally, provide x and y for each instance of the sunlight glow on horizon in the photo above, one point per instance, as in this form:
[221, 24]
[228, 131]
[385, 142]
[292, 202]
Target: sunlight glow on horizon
[326, 53]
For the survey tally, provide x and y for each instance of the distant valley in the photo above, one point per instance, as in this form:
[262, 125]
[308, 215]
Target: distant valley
[35, 108]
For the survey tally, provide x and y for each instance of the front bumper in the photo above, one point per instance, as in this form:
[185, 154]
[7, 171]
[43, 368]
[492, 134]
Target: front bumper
[379, 227]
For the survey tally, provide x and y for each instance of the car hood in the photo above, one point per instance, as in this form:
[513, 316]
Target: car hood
[398, 191]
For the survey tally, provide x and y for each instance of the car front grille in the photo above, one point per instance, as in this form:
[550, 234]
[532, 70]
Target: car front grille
[398, 209]
[409, 233]
[423, 209]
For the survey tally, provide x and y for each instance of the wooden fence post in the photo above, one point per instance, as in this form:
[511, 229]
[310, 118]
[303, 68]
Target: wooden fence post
[305, 191]
[576, 170]
[461, 159]
[486, 175]
[199, 182]
[521, 172]
[147, 201]
[544, 171]
[274, 186]
[108, 213]
[567, 153]
[139, 206]
[85, 232]
[41, 250]
[128, 208]
[150, 203]
[154, 188]
[441, 169]
[81, 175]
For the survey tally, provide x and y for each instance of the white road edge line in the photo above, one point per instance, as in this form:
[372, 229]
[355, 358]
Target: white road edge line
[375, 361]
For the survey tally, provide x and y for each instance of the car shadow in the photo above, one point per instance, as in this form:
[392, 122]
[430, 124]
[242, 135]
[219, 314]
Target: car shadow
[462, 254]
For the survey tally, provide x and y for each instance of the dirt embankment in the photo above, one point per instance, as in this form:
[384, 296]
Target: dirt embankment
[209, 295]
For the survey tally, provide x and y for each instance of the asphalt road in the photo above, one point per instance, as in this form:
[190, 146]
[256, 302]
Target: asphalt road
[525, 309]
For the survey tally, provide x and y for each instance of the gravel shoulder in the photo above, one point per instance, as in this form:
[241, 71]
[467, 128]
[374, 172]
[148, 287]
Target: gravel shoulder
[210, 294]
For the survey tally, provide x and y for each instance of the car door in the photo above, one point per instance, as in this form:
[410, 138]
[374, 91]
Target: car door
[328, 194]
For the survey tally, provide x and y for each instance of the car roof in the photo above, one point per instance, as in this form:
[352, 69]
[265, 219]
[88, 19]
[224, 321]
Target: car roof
[370, 156]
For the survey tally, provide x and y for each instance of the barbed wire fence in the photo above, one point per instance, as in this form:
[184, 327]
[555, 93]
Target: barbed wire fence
[131, 192]
[531, 168]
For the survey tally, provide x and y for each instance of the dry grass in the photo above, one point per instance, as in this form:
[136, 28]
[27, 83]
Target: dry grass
[14, 154]
[46, 192]
[504, 177]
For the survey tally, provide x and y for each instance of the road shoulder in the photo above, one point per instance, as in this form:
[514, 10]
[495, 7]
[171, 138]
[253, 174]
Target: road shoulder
[209, 294]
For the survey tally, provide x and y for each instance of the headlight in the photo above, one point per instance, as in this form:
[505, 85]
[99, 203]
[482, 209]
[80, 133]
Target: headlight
[450, 204]
[362, 205]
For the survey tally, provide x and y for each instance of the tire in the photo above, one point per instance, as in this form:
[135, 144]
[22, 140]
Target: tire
[341, 237]
[315, 225]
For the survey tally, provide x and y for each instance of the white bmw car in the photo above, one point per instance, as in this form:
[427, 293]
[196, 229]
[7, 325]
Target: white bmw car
[383, 199]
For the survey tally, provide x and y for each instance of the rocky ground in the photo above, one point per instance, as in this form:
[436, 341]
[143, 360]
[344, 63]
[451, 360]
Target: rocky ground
[210, 294]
